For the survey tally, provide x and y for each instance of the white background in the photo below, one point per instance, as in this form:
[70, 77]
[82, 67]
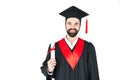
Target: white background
[28, 26]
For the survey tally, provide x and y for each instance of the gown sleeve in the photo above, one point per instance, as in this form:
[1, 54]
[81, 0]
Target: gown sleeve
[44, 68]
[92, 63]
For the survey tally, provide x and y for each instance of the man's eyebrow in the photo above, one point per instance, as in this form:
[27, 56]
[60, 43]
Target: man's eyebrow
[76, 22]
[68, 22]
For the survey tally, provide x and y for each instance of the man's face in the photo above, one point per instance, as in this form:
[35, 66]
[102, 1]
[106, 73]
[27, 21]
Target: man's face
[72, 26]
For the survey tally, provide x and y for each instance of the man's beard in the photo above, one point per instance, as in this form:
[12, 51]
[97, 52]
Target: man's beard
[72, 34]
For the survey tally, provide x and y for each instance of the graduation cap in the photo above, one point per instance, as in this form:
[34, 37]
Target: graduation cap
[75, 12]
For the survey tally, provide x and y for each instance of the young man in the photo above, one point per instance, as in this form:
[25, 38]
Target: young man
[75, 58]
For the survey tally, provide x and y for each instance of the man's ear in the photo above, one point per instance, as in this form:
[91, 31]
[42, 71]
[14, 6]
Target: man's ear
[65, 22]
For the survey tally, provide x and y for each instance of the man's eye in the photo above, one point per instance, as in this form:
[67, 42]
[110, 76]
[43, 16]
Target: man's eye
[69, 23]
[76, 23]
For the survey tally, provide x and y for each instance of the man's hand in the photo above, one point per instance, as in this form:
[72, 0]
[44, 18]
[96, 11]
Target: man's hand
[51, 65]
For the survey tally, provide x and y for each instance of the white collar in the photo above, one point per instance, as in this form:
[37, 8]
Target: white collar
[69, 44]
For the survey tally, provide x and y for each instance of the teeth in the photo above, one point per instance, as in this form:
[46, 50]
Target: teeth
[72, 30]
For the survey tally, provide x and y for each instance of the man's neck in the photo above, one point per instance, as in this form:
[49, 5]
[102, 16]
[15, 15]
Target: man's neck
[71, 39]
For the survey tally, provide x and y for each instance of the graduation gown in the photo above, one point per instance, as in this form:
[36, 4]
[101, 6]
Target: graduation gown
[77, 64]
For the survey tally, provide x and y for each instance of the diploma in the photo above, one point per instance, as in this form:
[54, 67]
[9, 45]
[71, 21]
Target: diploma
[53, 51]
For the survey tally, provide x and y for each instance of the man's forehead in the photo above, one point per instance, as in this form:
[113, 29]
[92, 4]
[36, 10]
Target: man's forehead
[73, 19]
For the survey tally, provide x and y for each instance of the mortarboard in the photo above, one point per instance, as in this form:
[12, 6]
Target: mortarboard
[75, 12]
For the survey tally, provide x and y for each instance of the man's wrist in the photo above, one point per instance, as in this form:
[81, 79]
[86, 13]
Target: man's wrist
[49, 73]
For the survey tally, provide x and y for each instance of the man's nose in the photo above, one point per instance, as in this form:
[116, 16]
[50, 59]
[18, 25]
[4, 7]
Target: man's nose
[72, 26]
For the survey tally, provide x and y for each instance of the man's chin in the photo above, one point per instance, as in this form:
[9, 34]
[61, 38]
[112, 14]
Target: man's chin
[72, 34]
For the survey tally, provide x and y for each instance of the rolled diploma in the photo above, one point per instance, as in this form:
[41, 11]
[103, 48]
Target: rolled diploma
[52, 54]
[53, 51]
